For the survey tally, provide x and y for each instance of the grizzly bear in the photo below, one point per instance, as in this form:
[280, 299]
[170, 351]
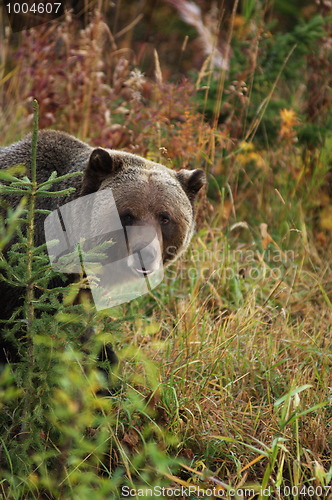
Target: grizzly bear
[153, 203]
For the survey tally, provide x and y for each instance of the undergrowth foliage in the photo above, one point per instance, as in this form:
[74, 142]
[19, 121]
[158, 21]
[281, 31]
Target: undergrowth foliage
[72, 80]
[224, 375]
[42, 390]
[57, 427]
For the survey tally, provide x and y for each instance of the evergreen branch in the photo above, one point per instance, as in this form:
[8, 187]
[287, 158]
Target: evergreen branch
[53, 179]
[31, 224]
[62, 192]
[6, 176]
[13, 190]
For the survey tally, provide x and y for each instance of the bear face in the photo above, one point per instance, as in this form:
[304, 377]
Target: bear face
[155, 204]
[147, 195]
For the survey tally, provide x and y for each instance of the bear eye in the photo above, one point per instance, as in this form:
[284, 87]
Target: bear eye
[164, 218]
[127, 218]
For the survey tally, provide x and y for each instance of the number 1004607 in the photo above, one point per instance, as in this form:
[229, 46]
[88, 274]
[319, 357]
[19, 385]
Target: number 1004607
[34, 8]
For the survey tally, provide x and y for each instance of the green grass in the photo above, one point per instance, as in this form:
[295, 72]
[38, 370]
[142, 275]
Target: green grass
[244, 364]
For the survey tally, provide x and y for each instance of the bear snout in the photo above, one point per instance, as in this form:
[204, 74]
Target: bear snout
[145, 259]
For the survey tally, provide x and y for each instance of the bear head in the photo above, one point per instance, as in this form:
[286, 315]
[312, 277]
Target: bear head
[155, 204]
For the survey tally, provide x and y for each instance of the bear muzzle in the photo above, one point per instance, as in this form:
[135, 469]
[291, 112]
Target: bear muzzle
[146, 260]
[144, 248]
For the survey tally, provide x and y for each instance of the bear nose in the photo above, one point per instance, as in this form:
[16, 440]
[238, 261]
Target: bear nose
[144, 259]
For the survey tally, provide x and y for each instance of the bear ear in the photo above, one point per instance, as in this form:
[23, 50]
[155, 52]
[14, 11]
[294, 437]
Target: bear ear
[101, 165]
[191, 181]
